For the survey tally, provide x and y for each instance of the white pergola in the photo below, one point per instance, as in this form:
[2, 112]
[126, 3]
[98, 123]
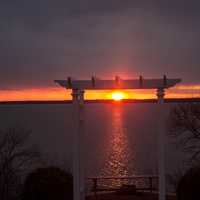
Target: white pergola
[78, 88]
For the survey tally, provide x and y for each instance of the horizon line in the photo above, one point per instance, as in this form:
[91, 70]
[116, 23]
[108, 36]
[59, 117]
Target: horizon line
[166, 100]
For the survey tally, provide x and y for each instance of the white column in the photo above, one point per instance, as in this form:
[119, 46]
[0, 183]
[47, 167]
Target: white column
[78, 189]
[161, 145]
[82, 145]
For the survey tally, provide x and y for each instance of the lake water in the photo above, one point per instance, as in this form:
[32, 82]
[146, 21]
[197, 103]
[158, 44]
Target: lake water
[119, 139]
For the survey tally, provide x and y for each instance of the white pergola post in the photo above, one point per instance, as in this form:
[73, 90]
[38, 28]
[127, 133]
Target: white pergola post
[82, 144]
[78, 169]
[161, 145]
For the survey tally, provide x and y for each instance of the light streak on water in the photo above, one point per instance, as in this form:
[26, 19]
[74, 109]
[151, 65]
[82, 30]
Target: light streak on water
[117, 162]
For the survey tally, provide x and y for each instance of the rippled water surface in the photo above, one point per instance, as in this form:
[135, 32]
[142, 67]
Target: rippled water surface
[119, 139]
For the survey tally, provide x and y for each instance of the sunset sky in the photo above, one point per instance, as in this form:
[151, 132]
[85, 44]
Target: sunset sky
[44, 40]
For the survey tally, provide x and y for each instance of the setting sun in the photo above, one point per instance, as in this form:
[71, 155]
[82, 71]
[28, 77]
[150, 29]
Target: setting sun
[117, 96]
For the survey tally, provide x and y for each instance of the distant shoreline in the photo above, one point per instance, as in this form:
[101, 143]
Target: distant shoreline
[170, 100]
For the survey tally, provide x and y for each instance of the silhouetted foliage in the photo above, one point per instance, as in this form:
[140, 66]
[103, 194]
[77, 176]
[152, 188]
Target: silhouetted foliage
[189, 185]
[49, 183]
[185, 127]
[174, 177]
[16, 156]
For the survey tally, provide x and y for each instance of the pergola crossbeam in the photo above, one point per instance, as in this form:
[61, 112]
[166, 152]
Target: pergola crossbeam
[97, 84]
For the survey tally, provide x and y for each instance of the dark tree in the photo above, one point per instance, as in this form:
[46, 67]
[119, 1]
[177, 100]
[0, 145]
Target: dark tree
[16, 157]
[185, 127]
[189, 185]
[49, 183]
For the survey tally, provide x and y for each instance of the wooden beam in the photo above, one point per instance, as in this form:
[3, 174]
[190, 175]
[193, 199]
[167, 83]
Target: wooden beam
[119, 84]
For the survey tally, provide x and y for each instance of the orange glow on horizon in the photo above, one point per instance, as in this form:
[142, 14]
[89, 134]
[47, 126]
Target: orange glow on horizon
[58, 93]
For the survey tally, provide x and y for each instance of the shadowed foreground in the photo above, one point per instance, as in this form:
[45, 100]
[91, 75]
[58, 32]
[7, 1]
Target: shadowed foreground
[114, 196]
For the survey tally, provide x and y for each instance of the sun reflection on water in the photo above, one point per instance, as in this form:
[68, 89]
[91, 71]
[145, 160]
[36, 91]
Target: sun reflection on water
[118, 155]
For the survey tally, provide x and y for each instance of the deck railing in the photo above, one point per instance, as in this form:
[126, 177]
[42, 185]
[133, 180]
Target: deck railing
[150, 183]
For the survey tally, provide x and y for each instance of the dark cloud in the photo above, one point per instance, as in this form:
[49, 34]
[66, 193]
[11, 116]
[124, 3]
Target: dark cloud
[46, 39]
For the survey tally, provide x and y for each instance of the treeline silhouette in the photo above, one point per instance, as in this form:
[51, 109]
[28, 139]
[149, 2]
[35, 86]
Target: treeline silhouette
[24, 175]
[49, 183]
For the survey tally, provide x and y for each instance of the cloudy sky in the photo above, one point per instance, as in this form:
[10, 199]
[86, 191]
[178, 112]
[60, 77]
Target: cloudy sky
[43, 40]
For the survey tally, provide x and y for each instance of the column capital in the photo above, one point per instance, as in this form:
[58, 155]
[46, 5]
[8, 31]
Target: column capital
[160, 93]
[81, 92]
[77, 94]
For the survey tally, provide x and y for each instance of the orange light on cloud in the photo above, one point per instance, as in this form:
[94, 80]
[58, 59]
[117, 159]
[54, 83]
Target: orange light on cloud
[35, 94]
[58, 93]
